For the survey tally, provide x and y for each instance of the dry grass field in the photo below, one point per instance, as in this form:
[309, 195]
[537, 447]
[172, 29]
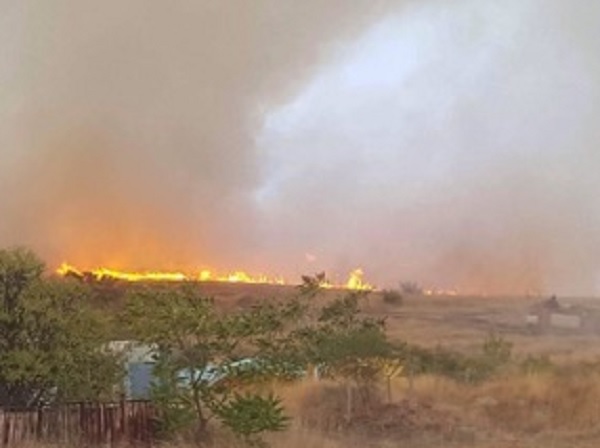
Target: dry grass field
[516, 410]
[463, 322]
[550, 409]
[543, 409]
[459, 322]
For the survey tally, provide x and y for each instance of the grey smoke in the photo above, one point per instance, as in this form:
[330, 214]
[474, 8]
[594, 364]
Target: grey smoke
[127, 127]
[454, 145]
[448, 142]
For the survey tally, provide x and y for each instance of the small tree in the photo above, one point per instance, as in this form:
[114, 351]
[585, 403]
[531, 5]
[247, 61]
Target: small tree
[347, 346]
[205, 357]
[50, 340]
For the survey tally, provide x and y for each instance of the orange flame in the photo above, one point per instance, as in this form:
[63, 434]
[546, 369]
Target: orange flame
[440, 292]
[105, 273]
[354, 282]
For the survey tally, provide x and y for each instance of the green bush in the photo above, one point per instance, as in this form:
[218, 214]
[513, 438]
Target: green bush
[51, 340]
[250, 415]
[495, 354]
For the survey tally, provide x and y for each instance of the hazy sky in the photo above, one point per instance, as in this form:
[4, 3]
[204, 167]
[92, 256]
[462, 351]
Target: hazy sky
[448, 142]
[454, 143]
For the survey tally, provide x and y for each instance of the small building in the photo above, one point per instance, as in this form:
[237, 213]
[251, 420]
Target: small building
[139, 360]
[549, 315]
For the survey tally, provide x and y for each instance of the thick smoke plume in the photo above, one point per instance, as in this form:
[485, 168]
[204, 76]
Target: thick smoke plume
[127, 127]
[451, 143]
[455, 145]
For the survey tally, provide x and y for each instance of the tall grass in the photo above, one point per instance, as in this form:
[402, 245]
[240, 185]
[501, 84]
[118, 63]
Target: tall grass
[549, 409]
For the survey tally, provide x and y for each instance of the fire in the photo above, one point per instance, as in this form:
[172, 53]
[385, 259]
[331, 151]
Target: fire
[355, 281]
[105, 273]
[237, 277]
[440, 292]
[161, 276]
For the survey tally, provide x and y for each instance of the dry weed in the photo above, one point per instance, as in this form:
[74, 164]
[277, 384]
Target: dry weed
[545, 402]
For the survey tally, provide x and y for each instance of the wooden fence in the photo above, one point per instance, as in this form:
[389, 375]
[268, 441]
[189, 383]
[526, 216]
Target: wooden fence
[129, 423]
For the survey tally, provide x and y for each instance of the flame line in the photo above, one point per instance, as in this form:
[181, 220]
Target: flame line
[355, 280]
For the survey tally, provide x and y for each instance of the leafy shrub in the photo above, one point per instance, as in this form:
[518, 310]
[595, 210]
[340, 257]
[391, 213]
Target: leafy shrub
[495, 354]
[51, 339]
[251, 414]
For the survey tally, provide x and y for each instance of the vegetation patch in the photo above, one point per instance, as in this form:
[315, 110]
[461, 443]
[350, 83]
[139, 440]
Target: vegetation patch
[218, 372]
